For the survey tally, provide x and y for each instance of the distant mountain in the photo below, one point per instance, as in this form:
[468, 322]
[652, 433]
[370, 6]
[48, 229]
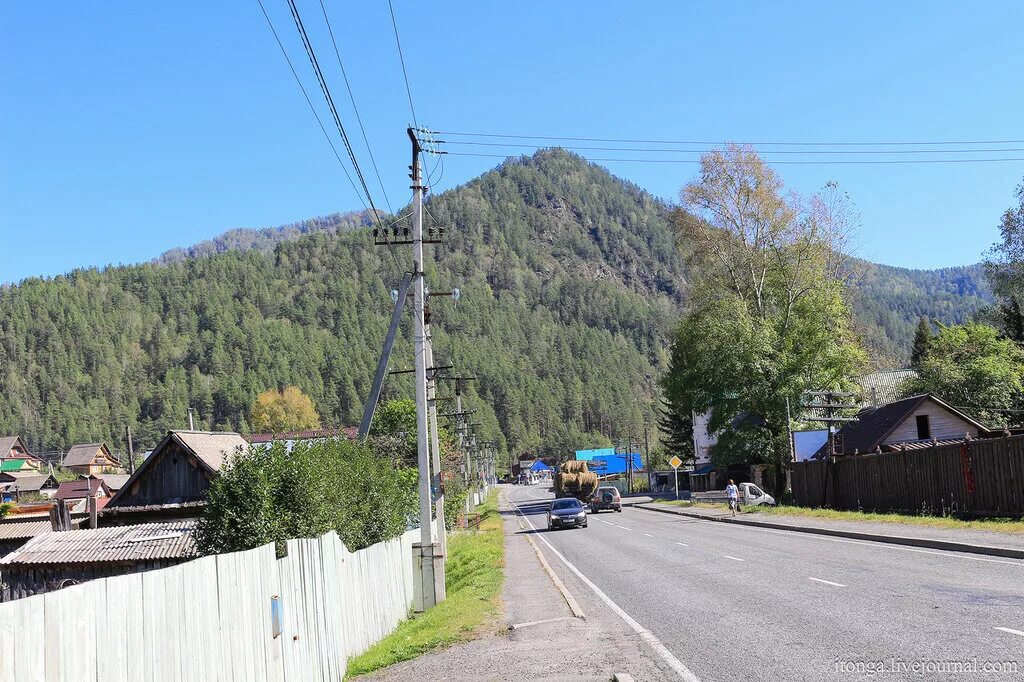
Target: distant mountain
[572, 282]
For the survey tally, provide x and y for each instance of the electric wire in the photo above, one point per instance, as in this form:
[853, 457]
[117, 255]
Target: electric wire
[405, 76]
[776, 163]
[352, 99]
[780, 151]
[330, 103]
[311, 107]
[720, 142]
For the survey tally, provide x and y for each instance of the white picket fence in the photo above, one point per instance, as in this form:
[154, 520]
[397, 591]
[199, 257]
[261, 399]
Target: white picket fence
[211, 619]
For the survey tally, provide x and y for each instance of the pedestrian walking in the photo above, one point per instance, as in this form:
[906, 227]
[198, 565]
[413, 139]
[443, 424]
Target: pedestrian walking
[734, 496]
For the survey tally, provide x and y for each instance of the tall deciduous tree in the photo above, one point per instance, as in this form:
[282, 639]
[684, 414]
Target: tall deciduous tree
[286, 410]
[768, 317]
[973, 367]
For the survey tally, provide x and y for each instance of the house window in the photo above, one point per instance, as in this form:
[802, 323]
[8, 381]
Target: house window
[924, 431]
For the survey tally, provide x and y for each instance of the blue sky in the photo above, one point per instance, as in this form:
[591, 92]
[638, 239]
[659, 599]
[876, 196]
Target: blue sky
[128, 128]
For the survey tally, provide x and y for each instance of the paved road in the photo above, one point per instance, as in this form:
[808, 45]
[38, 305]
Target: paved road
[736, 603]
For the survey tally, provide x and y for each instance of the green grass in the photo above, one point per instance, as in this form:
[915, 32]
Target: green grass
[474, 575]
[999, 525]
[947, 522]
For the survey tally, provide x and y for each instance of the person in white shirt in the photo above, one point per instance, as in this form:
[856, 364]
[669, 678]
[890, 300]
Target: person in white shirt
[734, 496]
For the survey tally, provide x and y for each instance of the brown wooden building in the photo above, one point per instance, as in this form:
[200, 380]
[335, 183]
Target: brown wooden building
[173, 481]
[90, 459]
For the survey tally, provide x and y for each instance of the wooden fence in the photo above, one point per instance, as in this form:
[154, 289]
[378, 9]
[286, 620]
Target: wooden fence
[233, 617]
[977, 478]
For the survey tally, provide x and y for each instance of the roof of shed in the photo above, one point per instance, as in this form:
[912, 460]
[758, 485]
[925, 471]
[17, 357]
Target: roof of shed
[349, 432]
[28, 483]
[84, 454]
[20, 530]
[117, 544]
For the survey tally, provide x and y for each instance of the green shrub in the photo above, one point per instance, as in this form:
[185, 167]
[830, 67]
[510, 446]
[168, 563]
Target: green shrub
[272, 495]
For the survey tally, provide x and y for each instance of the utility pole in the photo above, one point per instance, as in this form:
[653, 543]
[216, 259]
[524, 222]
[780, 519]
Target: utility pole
[435, 446]
[430, 588]
[191, 420]
[131, 450]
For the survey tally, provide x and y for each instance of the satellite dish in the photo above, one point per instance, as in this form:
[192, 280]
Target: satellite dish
[394, 295]
[456, 295]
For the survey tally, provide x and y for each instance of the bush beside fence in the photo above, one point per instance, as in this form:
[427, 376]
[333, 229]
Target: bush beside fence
[983, 477]
[211, 619]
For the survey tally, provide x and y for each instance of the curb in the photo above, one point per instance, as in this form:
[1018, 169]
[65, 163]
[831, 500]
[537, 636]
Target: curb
[927, 543]
[622, 677]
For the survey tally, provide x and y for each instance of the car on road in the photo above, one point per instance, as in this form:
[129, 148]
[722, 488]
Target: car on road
[566, 512]
[606, 497]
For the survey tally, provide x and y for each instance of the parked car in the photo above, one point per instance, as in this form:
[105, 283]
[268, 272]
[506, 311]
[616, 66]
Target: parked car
[566, 512]
[606, 497]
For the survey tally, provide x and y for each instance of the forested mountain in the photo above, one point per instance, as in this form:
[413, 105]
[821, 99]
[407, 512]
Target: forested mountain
[571, 283]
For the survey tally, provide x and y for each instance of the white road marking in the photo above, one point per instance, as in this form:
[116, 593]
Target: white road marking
[1012, 632]
[644, 633]
[734, 558]
[951, 554]
[607, 523]
[682, 543]
[827, 582]
[622, 527]
[648, 535]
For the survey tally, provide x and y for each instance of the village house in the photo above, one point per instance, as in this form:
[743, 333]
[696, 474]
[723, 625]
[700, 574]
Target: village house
[172, 483]
[13, 448]
[918, 421]
[17, 485]
[91, 459]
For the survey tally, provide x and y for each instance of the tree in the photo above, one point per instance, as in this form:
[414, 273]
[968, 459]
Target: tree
[768, 318]
[922, 341]
[273, 495]
[973, 367]
[282, 411]
[1004, 269]
[675, 417]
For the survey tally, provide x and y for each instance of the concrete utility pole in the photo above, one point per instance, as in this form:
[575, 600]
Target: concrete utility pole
[429, 588]
[435, 446]
[191, 419]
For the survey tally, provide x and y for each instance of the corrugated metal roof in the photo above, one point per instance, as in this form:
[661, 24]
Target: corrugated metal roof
[349, 432]
[144, 542]
[18, 530]
[114, 481]
[12, 464]
[888, 385]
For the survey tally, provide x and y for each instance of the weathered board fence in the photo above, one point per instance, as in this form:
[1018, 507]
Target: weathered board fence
[232, 618]
[983, 477]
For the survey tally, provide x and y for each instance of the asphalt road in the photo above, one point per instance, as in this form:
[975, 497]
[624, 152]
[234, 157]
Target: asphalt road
[727, 602]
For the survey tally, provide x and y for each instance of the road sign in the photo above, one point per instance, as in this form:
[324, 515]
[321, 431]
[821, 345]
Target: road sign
[675, 462]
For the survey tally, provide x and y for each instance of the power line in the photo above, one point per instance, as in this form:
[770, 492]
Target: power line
[311, 107]
[352, 99]
[720, 142]
[330, 103]
[781, 151]
[774, 163]
[401, 57]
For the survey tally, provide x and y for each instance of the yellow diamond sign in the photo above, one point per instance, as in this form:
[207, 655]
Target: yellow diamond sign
[675, 462]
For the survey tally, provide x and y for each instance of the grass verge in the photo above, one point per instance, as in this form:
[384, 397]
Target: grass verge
[999, 525]
[946, 522]
[473, 579]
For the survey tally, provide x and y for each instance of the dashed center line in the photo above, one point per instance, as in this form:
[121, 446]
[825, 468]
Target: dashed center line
[622, 527]
[826, 582]
[734, 558]
[1012, 632]
[648, 535]
[682, 543]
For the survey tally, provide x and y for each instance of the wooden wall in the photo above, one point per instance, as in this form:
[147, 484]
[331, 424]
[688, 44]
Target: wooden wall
[174, 476]
[943, 423]
[18, 581]
[980, 478]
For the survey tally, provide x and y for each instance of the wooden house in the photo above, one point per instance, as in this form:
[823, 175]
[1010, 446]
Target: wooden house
[91, 459]
[12, 447]
[15, 485]
[918, 420]
[173, 481]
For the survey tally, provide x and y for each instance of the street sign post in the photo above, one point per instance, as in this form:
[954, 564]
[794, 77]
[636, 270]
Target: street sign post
[675, 462]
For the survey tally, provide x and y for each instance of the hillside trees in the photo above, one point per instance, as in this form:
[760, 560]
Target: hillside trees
[767, 319]
[1004, 269]
[974, 368]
